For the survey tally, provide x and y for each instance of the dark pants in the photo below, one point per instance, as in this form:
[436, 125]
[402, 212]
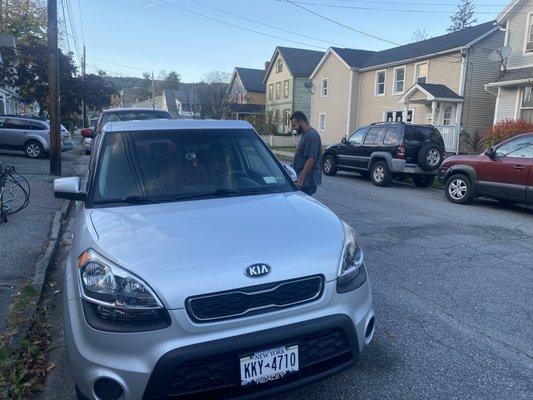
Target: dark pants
[309, 190]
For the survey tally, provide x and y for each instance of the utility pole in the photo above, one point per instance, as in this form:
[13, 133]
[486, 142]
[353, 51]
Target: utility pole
[53, 90]
[153, 91]
[83, 105]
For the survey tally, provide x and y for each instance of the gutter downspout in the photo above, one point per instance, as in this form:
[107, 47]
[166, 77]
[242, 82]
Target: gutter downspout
[348, 115]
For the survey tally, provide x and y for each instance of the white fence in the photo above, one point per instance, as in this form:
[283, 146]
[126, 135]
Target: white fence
[450, 134]
[280, 141]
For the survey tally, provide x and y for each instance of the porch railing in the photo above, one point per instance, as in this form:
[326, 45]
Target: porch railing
[450, 134]
[280, 141]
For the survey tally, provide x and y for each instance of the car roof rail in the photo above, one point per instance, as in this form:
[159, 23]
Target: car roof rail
[23, 117]
[388, 122]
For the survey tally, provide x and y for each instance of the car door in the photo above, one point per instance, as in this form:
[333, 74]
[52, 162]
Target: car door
[505, 175]
[2, 134]
[350, 150]
[371, 144]
[14, 132]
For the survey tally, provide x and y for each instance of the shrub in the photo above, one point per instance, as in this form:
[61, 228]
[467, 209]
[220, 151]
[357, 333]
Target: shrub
[506, 129]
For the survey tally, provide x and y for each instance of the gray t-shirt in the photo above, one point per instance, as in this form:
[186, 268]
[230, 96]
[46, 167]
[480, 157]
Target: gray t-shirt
[310, 146]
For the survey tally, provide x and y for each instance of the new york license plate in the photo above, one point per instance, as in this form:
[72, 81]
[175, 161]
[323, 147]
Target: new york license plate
[269, 365]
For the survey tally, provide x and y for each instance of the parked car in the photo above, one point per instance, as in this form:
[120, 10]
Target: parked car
[504, 172]
[119, 114]
[181, 282]
[30, 135]
[388, 150]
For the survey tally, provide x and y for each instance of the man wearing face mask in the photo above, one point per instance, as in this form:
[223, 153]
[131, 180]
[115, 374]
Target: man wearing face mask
[308, 157]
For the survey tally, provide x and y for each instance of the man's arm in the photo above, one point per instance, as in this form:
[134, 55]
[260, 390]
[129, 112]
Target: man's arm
[309, 164]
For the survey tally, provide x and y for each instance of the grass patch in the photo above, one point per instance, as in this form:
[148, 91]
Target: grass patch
[23, 368]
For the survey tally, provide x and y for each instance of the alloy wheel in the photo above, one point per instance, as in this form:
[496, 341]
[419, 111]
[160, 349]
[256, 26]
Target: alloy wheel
[378, 173]
[458, 189]
[33, 150]
[327, 165]
[433, 157]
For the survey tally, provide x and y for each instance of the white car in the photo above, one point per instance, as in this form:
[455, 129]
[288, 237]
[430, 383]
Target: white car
[198, 269]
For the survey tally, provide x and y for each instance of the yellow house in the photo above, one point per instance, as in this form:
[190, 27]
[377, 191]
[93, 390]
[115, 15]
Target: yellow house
[437, 81]
[246, 94]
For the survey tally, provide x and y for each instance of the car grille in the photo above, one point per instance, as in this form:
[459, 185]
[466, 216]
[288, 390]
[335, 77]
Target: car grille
[254, 299]
[218, 376]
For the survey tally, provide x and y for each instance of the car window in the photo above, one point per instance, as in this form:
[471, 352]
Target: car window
[373, 134]
[36, 126]
[168, 167]
[12, 123]
[393, 136]
[357, 136]
[519, 148]
[2, 120]
[379, 136]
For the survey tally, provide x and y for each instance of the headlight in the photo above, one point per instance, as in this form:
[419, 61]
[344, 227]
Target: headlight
[352, 273]
[114, 293]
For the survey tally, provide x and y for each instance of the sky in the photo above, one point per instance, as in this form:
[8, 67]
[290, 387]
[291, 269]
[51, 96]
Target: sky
[128, 37]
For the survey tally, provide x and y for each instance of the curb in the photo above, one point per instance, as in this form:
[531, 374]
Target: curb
[39, 276]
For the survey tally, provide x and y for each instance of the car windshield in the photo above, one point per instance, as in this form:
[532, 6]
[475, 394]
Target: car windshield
[134, 115]
[140, 167]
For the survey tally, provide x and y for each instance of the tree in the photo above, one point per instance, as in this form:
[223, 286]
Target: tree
[463, 17]
[419, 35]
[147, 81]
[96, 90]
[213, 94]
[172, 80]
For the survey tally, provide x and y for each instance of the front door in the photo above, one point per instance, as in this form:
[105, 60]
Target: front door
[350, 151]
[13, 132]
[506, 175]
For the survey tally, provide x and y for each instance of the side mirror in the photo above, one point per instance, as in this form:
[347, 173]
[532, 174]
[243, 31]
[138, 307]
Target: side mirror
[292, 173]
[87, 133]
[69, 188]
[490, 153]
[344, 140]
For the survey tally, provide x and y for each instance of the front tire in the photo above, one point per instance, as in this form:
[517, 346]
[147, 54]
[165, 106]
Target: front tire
[33, 149]
[380, 174]
[423, 181]
[328, 166]
[459, 189]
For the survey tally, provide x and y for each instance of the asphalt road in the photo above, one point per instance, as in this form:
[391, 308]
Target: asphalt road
[451, 290]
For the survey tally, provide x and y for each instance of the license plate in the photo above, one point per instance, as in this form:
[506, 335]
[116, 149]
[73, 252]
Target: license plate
[409, 169]
[269, 365]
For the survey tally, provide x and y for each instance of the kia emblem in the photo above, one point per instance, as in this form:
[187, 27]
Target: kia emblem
[257, 270]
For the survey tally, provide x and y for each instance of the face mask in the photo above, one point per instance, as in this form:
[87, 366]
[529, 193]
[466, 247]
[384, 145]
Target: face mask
[294, 132]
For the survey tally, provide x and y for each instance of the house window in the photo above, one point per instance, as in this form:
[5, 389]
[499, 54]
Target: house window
[421, 73]
[287, 117]
[322, 122]
[526, 110]
[324, 87]
[528, 43]
[380, 83]
[399, 80]
[276, 117]
[278, 90]
[447, 119]
[398, 116]
[270, 91]
[279, 66]
[286, 88]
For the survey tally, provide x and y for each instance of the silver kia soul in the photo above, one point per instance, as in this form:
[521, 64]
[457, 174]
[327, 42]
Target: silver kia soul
[198, 270]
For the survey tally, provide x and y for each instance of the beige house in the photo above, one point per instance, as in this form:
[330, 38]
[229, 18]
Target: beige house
[437, 81]
[514, 86]
[287, 84]
[246, 94]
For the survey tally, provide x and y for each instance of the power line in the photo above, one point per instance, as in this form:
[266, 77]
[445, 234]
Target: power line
[238, 26]
[81, 22]
[419, 4]
[117, 64]
[404, 10]
[74, 34]
[267, 25]
[341, 24]
[64, 25]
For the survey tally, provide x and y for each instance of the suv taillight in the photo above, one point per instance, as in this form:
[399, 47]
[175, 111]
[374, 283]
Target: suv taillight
[400, 153]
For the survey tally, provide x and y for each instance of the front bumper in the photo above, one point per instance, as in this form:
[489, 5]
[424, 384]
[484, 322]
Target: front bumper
[66, 146]
[144, 364]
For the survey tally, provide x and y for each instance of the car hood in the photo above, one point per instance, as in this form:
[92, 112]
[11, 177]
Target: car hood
[189, 248]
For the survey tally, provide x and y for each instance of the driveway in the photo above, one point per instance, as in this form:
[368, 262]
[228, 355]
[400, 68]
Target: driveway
[451, 297]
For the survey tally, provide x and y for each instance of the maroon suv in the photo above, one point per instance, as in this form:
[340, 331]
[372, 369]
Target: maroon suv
[504, 172]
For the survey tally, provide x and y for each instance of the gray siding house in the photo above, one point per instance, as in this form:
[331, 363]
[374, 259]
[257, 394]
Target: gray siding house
[514, 86]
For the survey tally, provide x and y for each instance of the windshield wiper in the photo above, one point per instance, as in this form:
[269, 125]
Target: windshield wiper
[218, 193]
[129, 200]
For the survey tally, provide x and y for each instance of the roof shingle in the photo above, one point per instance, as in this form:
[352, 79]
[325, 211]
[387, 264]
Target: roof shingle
[252, 79]
[355, 58]
[301, 62]
[517, 74]
[439, 90]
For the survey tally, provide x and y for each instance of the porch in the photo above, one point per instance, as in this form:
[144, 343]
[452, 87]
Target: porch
[443, 108]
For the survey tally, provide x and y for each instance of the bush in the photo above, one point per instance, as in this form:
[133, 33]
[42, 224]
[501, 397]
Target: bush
[506, 129]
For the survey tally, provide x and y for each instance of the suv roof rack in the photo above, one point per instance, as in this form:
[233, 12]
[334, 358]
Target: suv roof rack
[388, 122]
[23, 117]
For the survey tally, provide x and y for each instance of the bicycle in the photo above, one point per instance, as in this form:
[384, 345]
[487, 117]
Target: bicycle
[11, 182]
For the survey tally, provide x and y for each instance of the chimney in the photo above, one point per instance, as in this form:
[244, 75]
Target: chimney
[267, 64]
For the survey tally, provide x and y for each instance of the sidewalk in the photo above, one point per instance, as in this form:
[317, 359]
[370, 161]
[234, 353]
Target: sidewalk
[25, 236]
